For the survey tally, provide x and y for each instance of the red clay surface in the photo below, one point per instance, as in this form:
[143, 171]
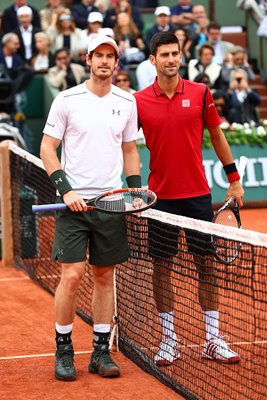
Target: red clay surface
[27, 346]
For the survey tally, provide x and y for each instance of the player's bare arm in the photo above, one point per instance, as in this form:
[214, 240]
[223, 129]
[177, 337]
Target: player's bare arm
[51, 162]
[224, 154]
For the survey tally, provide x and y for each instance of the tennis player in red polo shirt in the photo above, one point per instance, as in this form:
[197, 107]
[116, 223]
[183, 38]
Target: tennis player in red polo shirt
[172, 113]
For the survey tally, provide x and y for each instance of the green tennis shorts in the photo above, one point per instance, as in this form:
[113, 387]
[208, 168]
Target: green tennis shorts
[105, 234]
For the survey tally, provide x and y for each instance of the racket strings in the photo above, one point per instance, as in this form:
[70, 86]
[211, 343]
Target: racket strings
[120, 202]
[226, 250]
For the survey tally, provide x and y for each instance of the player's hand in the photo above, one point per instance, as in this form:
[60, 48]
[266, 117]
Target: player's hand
[138, 203]
[74, 201]
[236, 191]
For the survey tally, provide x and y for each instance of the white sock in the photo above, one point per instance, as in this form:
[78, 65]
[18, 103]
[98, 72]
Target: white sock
[102, 328]
[212, 324]
[63, 329]
[166, 320]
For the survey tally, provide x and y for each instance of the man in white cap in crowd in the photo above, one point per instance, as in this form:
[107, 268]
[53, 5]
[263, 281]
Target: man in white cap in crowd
[26, 32]
[94, 23]
[96, 124]
[9, 18]
[162, 23]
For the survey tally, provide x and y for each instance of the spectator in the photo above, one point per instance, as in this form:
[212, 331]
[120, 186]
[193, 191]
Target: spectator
[145, 3]
[19, 75]
[186, 47]
[203, 78]
[26, 32]
[239, 61]
[63, 33]
[123, 6]
[162, 23]
[181, 14]
[221, 47]
[145, 74]
[123, 81]
[43, 59]
[205, 64]
[94, 23]
[198, 32]
[10, 20]
[127, 35]
[81, 11]
[65, 74]
[221, 102]
[50, 12]
[243, 100]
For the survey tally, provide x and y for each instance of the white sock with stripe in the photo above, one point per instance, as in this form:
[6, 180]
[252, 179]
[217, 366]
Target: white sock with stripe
[167, 324]
[212, 324]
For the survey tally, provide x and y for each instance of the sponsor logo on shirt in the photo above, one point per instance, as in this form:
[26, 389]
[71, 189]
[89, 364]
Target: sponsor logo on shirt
[118, 112]
[211, 105]
[50, 124]
[185, 103]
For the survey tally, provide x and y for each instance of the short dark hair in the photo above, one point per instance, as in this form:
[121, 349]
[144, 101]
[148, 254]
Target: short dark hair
[213, 25]
[61, 50]
[162, 38]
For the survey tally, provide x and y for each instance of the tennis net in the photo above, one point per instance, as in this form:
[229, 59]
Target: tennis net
[242, 288]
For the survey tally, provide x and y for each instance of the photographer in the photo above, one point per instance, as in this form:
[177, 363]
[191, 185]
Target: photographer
[243, 100]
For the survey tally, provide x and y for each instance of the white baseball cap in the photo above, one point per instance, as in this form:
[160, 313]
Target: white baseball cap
[107, 32]
[102, 39]
[95, 16]
[24, 10]
[162, 10]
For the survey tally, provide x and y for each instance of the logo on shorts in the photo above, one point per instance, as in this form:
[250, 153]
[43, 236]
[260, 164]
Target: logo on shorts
[186, 103]
[118, 112]
[60, 252]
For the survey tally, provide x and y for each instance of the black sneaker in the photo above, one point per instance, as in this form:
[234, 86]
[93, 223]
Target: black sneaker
[101, 362]
[65, 370]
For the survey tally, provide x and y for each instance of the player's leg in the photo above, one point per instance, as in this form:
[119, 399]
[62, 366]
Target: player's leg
[65, 306]
[103, 311]
[69, 249]
[163, 295]
[215, 347]
[160, 237]
[108, 246]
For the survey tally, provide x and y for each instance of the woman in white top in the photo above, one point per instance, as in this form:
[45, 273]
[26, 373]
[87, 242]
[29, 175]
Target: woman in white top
[63, 33]
[43, 59]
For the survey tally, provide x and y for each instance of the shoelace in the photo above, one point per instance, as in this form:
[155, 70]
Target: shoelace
[66, 359]
[104, 356]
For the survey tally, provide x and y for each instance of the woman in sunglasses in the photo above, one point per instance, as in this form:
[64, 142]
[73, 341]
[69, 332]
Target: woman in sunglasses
[64, 33]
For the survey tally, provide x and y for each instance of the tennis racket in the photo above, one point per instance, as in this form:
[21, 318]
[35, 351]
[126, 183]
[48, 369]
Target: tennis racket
[121, 201]
[227, 251]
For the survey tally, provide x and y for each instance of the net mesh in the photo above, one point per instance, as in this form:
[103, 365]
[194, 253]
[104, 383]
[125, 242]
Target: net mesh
[242, 287]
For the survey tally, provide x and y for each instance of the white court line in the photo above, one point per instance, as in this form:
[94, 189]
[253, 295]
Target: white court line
[144, 348]
[14, 279]
[40, 355]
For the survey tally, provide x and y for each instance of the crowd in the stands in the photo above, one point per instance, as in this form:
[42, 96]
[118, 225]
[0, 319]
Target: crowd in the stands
[54, 41]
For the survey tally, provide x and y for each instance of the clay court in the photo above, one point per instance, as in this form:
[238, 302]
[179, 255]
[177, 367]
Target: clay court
[27, 346]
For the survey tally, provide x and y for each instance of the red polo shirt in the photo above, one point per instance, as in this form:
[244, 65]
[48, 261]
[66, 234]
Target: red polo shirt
[173, 130]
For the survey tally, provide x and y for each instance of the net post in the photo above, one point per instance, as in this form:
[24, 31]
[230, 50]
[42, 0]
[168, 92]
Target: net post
[6, 206]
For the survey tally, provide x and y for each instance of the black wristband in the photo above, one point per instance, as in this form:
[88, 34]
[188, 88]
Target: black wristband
[230, 168]
[134, 181]
[60, 182]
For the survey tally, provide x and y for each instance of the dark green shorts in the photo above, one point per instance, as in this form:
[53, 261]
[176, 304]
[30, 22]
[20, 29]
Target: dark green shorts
[106, 235]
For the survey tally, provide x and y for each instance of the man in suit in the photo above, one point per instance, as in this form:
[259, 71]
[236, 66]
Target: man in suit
[221, 47]
[65, 74]
[26, 32]
[14, 68]
[81, 11]
[9, 18]
[162, 23]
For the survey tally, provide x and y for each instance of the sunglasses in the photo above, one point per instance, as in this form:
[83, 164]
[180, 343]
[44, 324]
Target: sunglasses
[65, 18]
[122, 80]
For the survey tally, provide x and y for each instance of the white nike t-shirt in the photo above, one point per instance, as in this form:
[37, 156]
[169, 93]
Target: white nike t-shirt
[92, 130]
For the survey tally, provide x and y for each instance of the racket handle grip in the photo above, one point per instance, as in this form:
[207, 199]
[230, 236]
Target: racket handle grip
[49, 207]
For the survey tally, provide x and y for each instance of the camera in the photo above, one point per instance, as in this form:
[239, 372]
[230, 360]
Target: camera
[238, 80]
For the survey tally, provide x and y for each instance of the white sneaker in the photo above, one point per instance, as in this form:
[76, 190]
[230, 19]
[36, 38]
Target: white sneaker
[168, 352]
[217, 349]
